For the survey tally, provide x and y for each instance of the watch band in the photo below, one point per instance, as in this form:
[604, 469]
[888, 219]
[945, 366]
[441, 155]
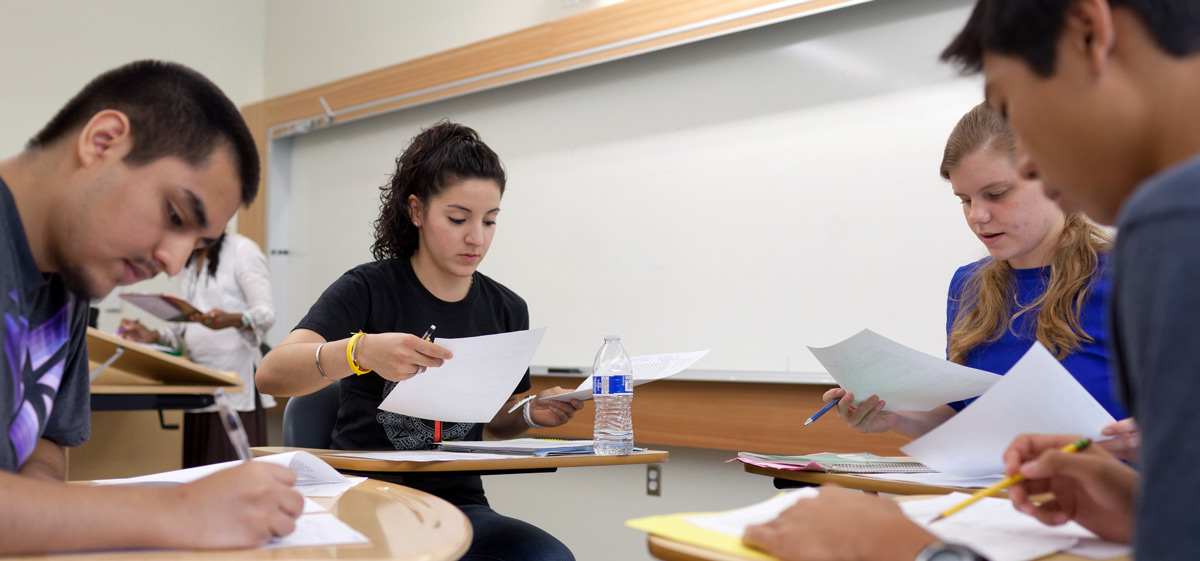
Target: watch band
[943, 551]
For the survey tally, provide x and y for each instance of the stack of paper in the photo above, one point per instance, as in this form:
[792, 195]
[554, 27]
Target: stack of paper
[529, 446]
[991, 527]
[646, 369]
[864, 462]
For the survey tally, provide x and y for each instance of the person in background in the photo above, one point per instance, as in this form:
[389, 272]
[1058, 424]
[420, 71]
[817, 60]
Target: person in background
[1045, 279]
[230, 280]
[1102, 94]
[144, 165]
[437, 219]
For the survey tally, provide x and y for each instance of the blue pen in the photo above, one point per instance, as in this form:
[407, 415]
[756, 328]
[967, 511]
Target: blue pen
[822, 411]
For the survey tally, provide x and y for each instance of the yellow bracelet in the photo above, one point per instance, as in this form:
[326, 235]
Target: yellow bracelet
[350, 348]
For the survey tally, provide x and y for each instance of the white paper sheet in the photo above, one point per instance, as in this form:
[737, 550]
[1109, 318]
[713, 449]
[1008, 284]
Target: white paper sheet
[423, 456]
[994, 528]
[939, 479]
[314, 477]
[734, 522]
[870, 364]
[646, 368]
[1037, 395]
[318, 529]
[472, 386]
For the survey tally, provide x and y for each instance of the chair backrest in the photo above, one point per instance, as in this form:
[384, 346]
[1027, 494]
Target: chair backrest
[308, 419]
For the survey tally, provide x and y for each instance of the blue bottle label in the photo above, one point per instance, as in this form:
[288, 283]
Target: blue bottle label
[616, 385]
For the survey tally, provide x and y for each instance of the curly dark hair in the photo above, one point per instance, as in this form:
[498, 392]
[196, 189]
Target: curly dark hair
[438, 157]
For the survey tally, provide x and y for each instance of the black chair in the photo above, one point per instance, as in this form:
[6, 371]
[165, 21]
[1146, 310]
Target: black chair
[308, 419]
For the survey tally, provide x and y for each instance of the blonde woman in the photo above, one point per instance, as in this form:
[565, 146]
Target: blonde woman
[1044, 279]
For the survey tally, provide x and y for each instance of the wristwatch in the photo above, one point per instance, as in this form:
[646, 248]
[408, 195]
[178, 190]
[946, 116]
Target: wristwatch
[942, 551]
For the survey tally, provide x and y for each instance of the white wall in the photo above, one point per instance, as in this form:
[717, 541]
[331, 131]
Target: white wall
[50, 48]
[310, 42]
[752, 194]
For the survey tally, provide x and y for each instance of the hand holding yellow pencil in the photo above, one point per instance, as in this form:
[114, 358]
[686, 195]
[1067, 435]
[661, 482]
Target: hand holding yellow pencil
[1007, 482]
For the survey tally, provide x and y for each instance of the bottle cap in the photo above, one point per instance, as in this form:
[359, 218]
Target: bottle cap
[612, 337]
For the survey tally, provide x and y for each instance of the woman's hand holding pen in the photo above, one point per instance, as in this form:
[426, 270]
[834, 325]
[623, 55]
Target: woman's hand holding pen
[1090, 486]
[399, 356]
[866, 417]
[133, 330]
[551, 413]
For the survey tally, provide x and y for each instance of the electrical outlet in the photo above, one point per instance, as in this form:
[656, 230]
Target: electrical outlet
[654, 480]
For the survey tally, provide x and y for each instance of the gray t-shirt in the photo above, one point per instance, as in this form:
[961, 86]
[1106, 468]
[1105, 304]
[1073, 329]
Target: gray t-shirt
[44, 372]
[1155, 318]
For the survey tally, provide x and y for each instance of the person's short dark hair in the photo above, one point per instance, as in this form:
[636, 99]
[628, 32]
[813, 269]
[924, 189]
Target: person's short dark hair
[173, 111]
[1030, 29]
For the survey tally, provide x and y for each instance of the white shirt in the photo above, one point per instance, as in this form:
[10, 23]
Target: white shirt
[241, 285]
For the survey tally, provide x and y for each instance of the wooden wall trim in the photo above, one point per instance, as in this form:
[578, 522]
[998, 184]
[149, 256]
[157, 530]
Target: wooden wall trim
[745, 417]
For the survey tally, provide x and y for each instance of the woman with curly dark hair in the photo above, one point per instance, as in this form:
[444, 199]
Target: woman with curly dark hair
[437, 218]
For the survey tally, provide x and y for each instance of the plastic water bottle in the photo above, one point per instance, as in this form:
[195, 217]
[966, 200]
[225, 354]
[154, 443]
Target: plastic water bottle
[612, 388]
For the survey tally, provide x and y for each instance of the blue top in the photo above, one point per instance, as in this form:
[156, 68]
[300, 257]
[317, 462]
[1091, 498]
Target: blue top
[1088, 364]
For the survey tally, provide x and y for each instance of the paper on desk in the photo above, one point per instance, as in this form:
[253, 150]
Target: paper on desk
[423, 456]
[318, 529]
[1037, 395]
[995, 529]
[314, 478]
[646, 368]
[472, 386]
[907, 379]
[938, 479]
[724, 529]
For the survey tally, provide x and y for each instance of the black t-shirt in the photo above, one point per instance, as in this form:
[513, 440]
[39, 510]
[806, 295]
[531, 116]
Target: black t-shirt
[386, 297]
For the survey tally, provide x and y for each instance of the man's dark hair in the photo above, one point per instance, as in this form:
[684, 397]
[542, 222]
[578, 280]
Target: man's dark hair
[173, 111]
[1030, 29]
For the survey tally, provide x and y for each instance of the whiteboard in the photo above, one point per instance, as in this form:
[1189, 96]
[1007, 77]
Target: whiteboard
[752, 194]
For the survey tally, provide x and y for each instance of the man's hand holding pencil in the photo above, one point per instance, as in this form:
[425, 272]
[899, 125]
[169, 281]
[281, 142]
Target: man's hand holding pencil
[1090, 487]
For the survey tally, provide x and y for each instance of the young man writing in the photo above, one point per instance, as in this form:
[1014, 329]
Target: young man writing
[143, 166]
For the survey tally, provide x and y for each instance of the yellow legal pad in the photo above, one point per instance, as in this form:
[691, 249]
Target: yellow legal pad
[673, 526]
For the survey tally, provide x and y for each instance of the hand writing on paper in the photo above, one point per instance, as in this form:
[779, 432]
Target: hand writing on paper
[399, 356]
[866, 417]
[133, 330]
[1090, 486]
[840, 524]
[1126, 439]
[240, 507]
[550, 413]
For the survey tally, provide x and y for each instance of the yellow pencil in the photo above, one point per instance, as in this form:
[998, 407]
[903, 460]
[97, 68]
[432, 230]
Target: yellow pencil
[1016, 478]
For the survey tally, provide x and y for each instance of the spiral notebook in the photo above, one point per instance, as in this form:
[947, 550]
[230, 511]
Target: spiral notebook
[864, 462]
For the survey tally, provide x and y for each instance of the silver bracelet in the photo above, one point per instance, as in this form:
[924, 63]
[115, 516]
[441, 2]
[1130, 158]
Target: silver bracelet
[317, 359]
[528, 420]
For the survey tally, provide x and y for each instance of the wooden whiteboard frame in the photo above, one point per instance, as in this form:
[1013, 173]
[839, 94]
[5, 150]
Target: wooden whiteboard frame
[602, 35]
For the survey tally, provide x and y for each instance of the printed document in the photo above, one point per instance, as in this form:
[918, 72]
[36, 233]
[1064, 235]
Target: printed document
[646, 369]
[314, 477]
[907, 379]
[472, 386]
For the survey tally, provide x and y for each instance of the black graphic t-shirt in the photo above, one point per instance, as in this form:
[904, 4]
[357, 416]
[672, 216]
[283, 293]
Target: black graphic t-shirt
[44, 389]
[386, 297]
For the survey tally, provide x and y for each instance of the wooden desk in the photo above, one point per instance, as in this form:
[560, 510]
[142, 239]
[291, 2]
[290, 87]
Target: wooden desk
[856, 482]
[403, 524]
[672, 550]
[500, 465]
